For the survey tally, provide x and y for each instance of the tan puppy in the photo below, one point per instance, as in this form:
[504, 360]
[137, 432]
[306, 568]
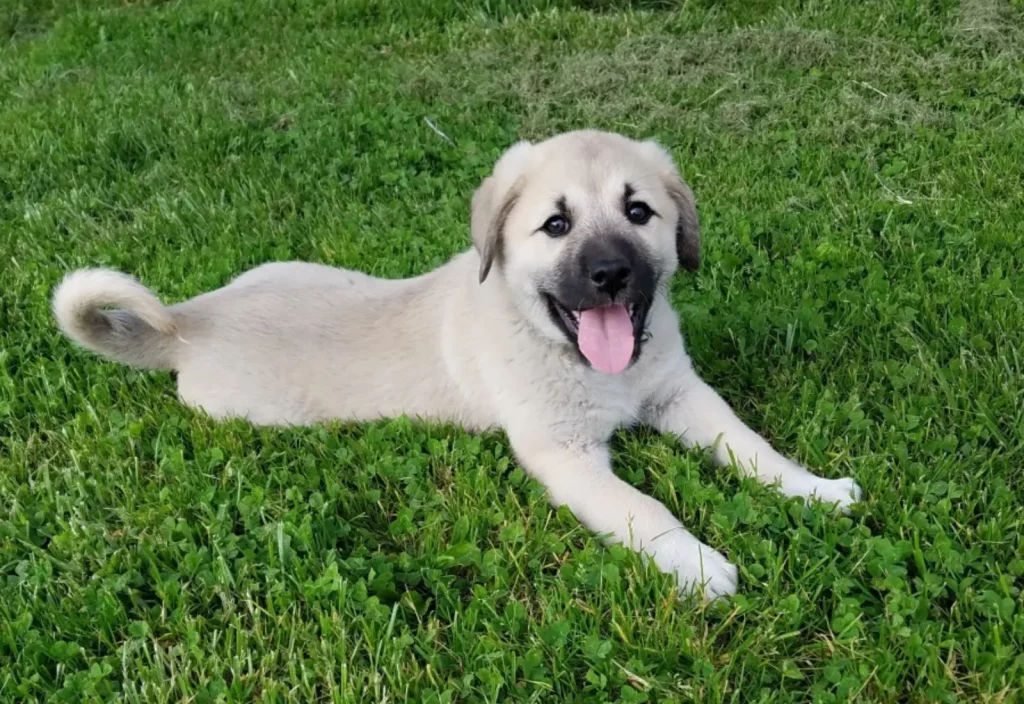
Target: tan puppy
[555, 327]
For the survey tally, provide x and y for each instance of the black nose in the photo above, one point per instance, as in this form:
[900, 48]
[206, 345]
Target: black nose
[610, 275]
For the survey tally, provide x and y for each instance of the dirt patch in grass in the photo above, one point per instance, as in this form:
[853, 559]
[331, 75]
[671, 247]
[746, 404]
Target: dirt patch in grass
[739, 81]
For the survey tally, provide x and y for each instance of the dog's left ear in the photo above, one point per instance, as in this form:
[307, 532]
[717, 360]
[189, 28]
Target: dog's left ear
[688, 224]
[493, 202]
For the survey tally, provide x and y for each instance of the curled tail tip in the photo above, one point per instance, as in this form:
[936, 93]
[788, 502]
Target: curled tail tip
[140, 332]
[85, 290]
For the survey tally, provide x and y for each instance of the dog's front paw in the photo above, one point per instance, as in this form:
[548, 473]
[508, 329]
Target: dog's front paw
[843, 492]
[714, 573]
[697, 567]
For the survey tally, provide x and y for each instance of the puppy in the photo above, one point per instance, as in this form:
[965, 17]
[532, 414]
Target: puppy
[555, 327]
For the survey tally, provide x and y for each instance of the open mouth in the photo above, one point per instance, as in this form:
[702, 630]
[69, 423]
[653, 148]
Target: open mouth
[607, 336]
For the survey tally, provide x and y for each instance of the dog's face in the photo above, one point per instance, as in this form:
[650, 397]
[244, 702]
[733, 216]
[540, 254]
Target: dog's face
[585, 230]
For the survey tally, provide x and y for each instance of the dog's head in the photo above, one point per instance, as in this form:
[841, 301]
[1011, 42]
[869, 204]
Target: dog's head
[584, 230]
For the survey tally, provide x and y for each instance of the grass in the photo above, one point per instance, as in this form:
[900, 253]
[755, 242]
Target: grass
[859, 172]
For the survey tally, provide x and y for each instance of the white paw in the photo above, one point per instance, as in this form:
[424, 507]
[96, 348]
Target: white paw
[714, 573]
[844, 492]
[697, 567]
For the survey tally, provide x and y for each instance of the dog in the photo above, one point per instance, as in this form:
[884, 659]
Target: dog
[555, 326]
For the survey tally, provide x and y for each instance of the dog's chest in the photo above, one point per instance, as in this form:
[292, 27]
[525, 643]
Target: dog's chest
[597, 404]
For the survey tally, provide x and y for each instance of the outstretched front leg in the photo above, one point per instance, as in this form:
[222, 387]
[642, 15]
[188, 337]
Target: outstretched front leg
[579, 475]
[700, 417]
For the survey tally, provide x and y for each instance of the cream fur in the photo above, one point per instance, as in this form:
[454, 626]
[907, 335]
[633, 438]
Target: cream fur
[296, 343]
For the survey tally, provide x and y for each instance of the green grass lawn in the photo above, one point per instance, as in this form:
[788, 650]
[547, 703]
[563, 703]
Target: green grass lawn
[859, 168]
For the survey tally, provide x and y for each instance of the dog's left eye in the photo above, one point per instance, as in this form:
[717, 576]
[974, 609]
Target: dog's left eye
[556, 226]
[638, 213]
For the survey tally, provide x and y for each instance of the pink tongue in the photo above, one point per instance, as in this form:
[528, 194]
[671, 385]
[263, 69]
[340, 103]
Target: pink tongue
[606, 338]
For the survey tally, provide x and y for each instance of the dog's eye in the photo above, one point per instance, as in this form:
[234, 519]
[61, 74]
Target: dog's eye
[556, 226]
[638, 212]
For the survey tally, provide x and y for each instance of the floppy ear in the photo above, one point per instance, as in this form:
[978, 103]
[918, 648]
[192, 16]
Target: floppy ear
[492, 203]
[486, 231]
[688, 225]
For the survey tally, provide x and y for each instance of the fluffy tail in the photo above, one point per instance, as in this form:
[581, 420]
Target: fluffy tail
[143, 334]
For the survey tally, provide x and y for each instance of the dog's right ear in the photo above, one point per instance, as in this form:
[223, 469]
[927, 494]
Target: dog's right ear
[493, 202]
[486, 228]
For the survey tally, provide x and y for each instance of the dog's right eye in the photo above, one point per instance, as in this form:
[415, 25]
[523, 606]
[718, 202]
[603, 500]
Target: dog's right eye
[556, 226]
[638, 213]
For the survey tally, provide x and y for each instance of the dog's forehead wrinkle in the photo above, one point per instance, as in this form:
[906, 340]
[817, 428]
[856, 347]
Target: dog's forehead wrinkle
[587, 185]
[594, 206]
[589, 170]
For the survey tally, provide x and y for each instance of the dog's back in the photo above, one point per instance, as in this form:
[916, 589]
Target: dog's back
[285, 343]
